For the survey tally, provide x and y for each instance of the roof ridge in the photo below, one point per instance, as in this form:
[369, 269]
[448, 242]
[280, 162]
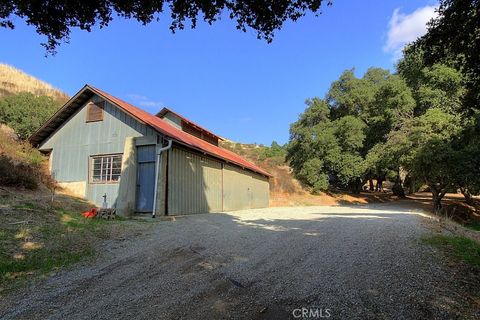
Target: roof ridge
[167, 109]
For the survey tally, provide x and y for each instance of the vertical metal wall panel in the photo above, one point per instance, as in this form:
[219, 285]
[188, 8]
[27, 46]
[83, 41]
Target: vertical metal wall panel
[243, 189]
[198, 187]
[260, 191]
[194, 183]
[236, 188]
[76, 140]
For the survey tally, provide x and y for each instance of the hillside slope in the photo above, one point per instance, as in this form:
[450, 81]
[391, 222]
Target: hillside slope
[13, 80]
[285, 189]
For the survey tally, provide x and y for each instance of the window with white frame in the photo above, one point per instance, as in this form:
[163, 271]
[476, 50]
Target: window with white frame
[105, 169]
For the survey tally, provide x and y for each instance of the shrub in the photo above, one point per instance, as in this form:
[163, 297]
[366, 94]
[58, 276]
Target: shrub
[25, 112]
[20, 163]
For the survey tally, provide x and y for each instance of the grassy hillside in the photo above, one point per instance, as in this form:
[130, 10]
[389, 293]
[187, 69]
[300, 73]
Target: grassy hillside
[41, 227]
[13, 81]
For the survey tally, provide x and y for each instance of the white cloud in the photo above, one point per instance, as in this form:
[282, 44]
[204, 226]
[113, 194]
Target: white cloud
[144, 101]
[404, 28]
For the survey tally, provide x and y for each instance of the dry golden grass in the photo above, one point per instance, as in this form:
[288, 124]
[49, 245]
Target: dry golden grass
[20, 163]
[13, 81]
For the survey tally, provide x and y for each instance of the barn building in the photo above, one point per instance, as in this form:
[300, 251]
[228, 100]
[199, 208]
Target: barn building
[101, 147]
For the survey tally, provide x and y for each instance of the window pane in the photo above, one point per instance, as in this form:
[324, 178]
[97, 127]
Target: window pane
[116, 164]
[106, 168]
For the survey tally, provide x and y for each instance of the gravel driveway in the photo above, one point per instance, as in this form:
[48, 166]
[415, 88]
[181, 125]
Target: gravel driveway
[357, 262]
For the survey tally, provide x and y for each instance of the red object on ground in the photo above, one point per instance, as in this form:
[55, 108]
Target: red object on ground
[90, 214]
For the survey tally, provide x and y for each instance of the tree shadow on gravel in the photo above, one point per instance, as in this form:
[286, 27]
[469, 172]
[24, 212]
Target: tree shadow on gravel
[358, 262]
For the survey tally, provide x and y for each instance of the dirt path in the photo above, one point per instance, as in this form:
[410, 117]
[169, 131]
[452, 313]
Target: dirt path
[353, 262]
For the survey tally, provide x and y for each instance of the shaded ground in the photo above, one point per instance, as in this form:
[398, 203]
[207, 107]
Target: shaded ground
[359, 262]
[303, 198]
[455, 210]
[38, 235]
[454, 204]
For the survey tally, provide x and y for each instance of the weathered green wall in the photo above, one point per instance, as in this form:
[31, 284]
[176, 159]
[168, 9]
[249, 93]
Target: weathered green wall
[243, 189]
[194, 183]
[200, 184]
[75, 141]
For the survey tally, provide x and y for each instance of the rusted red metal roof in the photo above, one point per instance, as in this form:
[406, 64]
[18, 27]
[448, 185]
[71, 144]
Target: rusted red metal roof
[155, 122]
[166, 110]
[163, 127]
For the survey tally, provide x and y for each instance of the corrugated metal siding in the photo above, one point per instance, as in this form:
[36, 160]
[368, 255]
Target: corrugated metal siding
[243, 189]
[198, 184]
[260, 191]
[75, 141]
[194, 183]
[236, 188]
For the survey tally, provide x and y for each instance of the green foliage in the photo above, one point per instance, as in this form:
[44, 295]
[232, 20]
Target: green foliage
[420, 125]
[313, 173]
[447, 57]
[382, 124]
[25, 112]
[393, 104]
[54, 20]
[438, 86]
[356, 115]
[321, 148]
[424, 146]
[275, 151]
[467, 169]
[452, 39]
[350, 95]
[474, 225]
[437, 73]
[457, 247]
[381, 160]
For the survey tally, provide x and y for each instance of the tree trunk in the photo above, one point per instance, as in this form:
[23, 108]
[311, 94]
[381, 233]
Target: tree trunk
[371, 187]
[397, 188]
[402, 175]
[467, 195]
[356, 186]
[437, 203]
[412, 188]
[437, 196]
[380, 183]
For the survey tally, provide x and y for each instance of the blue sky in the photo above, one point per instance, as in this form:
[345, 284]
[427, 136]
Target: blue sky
[228, 81]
